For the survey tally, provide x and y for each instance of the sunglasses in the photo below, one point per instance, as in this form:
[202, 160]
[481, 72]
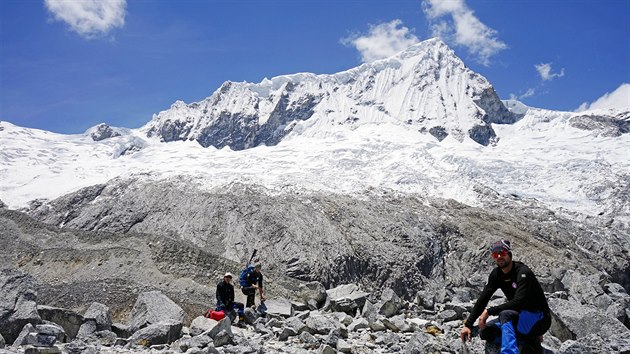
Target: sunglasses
[496, 255]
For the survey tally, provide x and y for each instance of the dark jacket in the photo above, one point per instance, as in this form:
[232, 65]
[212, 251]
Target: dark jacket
[253, 278]
[521, 288]
[225, 294]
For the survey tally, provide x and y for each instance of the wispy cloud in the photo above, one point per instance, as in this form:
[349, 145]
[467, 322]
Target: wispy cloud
[544, 70]
[619, 99]
[382, 40]
[529, 93]
[89, 18]
[455, 22]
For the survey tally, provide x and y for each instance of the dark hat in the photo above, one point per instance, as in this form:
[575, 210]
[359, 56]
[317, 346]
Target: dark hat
[501, 245]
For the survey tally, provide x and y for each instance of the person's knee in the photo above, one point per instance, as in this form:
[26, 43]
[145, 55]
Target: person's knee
[506, 316]
[489, 333]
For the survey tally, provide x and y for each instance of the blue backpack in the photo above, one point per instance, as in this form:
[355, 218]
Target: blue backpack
[242, 278]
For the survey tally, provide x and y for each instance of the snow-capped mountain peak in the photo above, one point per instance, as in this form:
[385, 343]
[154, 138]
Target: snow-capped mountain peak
[425, 87]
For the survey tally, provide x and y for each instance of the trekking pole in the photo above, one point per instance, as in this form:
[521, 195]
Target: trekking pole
[252, 257]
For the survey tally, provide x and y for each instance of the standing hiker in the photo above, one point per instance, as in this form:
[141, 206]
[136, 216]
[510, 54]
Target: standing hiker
[225, 298]
[251, 279]
[526, 313]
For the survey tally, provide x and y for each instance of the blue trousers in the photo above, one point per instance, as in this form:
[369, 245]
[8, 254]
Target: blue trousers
[239, 307]
[512, 326]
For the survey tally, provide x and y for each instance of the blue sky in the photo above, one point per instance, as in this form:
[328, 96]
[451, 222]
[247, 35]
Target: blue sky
[68, 65]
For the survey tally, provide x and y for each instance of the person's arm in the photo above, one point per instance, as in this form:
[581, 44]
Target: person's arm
[483, 300]
[260, 288]
[525, 281]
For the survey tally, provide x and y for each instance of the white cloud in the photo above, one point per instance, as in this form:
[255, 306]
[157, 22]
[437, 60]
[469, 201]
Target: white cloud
[529, 93]
[544, 70]
[89, 18]
[382, 41]
[619, 99]
[464, 29]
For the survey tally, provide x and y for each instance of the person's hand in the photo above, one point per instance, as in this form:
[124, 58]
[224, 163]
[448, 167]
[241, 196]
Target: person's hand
[483, 318]
[262, 298]
[465, 334]
[255, 286]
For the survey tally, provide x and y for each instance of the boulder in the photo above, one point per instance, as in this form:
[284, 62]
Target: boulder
[87, 328]
[397, 324]
[286, 333]
[370, 312]
[346, 298]
[310, 342]
[343, 346]
[52, 329]
[121, 330]
[153, 307]
[358, 324]
[447, 315]
[223, 338]
[572, 320]
[164, 332]
[313, 292]
[201, 324]
[223, 325]
[17, 303]
[390, 303]
[321, 324]
[69, 320]
[21, 337]
[584, 288]
[200, 341]
[295, 324]
[250, 316]
[101, 315]
[279, 307]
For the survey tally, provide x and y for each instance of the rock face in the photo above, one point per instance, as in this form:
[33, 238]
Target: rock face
[102, 132]
[18, 305]
[69, 320]
[435, 84]
[406, 243]
[604, 125]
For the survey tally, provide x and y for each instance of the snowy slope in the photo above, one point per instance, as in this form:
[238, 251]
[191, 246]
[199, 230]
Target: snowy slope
[578, 162]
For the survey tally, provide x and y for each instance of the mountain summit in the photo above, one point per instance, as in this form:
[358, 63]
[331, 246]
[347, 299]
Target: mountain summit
[425, 87]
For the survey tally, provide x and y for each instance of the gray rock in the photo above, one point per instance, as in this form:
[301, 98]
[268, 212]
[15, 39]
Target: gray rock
[52, 329]
[223, 338]
[87, 328]
[321, 324]
[572, 320]
[200, 341]
[299, 306]
[164, 332]
[106, 338]
[295, 324]
[616, 291]
[201, 324]
[17, 303]
[343, 318]
[358, 324]
[425, 299]
[286, 333]
[309, 341]
[312, 293]
[397, 324]
[30, 349]
[275, 323]
[101, 314]
[80, 347]
[424, 343]
[387, 338]
[343, 346]
[344, 304]
[69, 320]
[2, 342]
[584, 288]
[121, 330]
[153, 307]
[345, 294]
[279, 307]
[223, 325]
[448, 315]
[326, 349]
[250, 316]
[332, 337]
[390, 303]
[21, 337]
[370, 312]
[102, 132]
[39, 340]
[377, 326]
